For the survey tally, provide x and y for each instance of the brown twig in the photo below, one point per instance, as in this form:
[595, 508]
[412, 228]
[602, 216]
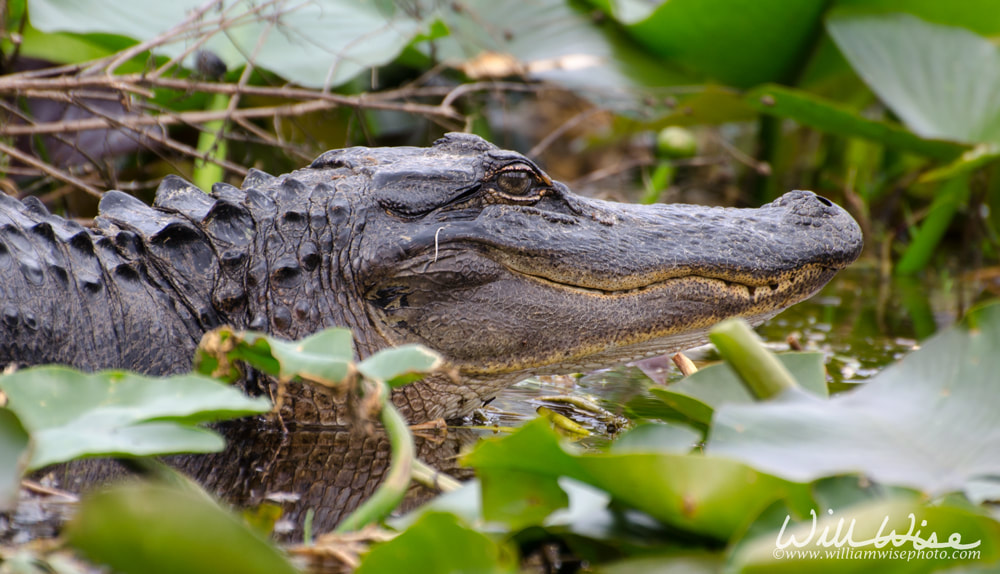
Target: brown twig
[165, 119]
[567, 125]
[463, 89]
[49, 170]
[139, 84]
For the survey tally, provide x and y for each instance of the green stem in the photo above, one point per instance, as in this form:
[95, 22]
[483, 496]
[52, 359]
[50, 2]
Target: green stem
[757, 367]
[658, 182]
[433, 478]
[768, 135]
[392, 490]
[211, 144]
[953, 193]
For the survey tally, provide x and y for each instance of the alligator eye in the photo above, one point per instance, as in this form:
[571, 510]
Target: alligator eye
[515, 182]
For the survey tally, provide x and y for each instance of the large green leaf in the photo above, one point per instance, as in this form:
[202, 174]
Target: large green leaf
[980, 16]
[705, 495]
[899, 524]
[438, 543]
[928, 422]
[313, 43]
[153, 529]
[398, 366]
[14, 453]
[70, 414]
[942, 81]
[813, 111]
[326, 357]
[697, 396]
[738, 42]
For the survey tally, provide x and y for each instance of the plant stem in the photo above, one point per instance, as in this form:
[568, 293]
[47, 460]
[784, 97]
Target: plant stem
[211, 143]
[953, 193]
[433, 478]
[757, 367]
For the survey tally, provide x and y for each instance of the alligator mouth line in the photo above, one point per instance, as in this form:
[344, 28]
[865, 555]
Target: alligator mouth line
[748, 291]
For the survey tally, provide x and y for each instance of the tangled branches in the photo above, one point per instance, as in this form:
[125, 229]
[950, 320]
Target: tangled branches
[62, 124]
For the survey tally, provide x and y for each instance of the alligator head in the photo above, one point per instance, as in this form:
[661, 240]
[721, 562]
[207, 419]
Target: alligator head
[475, 252]
[466, 248]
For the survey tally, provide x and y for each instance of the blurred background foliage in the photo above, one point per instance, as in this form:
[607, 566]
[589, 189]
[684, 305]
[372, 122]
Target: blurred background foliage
[891, 107]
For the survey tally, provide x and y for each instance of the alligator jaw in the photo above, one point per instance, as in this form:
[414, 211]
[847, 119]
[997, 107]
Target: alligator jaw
[578, 284]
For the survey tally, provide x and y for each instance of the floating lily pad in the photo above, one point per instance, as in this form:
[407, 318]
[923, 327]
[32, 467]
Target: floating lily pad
[928, 422]
[439, 543]
[699, 395]
[398, 366]
[326, 357]
[887, 535]
[704, 495]
[652, 437]
[70, 414]
[152, 529]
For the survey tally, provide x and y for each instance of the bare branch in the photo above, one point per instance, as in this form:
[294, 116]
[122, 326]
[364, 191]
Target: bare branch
[49, 170]
[165, 119]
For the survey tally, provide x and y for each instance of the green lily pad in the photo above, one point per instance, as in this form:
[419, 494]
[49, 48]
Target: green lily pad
[980, 16]
[704, 495]
[15, 450]
[737, 42]
[888, 535]
[317, 44]
[70, 414]
[325, 357]
[927, 422]
[518, 498]
[942, 81]
[699, 395]
[398, 366]
[652, 437]
[439, 543]
[152, 529]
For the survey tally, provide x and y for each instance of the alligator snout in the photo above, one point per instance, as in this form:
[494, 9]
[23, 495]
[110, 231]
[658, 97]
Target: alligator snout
[824, 232]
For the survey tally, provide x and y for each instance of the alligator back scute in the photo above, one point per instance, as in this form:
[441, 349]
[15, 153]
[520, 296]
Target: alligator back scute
[171, 240]
[50, 284]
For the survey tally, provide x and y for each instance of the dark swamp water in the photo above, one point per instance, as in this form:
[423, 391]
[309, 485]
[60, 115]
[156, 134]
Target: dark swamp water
[859, 321]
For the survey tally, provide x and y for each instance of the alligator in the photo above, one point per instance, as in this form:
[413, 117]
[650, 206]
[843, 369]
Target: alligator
[469, 249]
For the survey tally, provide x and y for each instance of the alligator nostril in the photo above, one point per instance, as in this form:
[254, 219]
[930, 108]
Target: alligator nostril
[824, 201]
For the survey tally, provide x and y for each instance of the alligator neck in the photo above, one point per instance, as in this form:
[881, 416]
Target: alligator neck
[293, 275]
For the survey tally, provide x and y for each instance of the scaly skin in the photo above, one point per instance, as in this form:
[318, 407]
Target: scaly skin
[466, 248]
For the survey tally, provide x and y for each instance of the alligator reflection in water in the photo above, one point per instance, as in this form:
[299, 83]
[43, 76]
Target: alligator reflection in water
[330, 470]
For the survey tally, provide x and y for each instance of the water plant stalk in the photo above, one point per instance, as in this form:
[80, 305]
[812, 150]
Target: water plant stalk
[758, 368]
